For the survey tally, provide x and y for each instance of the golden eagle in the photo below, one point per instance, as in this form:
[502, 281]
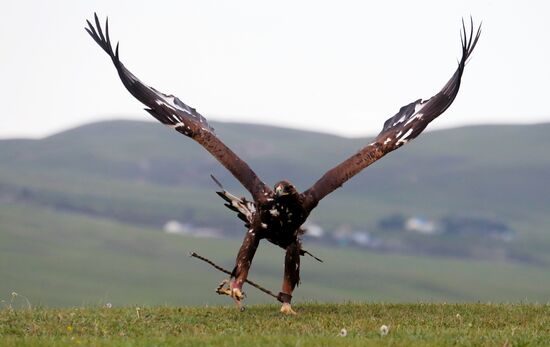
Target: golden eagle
[277, 214]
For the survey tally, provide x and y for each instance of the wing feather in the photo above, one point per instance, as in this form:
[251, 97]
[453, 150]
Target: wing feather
[245, 209]
[174, 113]
[406, 125]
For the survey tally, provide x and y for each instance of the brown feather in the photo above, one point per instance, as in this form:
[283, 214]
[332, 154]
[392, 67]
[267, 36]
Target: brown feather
[172, 112]
[406, 125]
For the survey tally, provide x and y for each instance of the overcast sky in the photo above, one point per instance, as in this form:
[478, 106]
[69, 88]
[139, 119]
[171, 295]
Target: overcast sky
[342, 66]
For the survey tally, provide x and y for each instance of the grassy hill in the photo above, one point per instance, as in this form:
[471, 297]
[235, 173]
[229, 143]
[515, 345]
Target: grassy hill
[315, 325]
[476, 166]
[141, 173]
[495, 171]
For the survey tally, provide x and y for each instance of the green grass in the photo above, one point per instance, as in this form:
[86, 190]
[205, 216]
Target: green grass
[315, 325]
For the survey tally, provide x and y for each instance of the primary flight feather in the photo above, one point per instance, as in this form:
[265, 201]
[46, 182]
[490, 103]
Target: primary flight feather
[277, 214]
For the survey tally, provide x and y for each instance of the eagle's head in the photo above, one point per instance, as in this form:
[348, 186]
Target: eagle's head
[284, 188]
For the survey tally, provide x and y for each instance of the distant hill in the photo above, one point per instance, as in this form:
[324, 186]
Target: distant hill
[143, 174]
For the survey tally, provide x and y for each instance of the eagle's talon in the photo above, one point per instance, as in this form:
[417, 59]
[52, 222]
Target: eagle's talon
[222, 290]
[287, 309]
[238, 298]
[236, 294]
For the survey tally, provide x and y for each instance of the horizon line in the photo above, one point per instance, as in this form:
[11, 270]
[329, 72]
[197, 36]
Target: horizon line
[122, 118]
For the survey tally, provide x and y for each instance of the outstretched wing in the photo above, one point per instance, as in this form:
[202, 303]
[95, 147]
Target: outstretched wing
[172, 112]
[406, 125]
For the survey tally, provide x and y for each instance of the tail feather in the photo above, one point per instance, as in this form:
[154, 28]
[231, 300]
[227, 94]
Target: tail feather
[244, 208]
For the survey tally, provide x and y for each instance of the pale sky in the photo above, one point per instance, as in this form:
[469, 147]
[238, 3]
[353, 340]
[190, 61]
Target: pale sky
[342, 67]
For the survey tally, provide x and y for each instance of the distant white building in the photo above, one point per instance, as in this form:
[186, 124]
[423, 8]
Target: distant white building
[361, 238]
[421, 225]
[314, 230]
[175, 227]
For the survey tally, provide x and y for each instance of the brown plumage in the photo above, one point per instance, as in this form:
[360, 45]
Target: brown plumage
[277, 215]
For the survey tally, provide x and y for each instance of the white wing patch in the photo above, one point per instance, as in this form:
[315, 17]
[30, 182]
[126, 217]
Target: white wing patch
[170, 101]
[413, 118]
[417, 114]
[399, 121]
[177, 125]
[173, 104]
[420, 105]
[404, 139]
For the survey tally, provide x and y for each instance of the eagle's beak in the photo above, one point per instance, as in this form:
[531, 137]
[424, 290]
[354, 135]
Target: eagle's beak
[280, 190]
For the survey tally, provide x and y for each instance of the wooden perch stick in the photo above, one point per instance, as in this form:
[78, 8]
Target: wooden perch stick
[253, 284]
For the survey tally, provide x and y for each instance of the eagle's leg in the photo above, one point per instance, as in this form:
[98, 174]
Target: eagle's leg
[291, 277]
[242, 266]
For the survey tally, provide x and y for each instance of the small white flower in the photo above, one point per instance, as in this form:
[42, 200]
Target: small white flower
[384, 330]
[343, 332]
[108, 305]
[14, 295]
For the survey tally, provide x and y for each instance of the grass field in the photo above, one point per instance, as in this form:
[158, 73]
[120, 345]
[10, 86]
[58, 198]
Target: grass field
[315, 325]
